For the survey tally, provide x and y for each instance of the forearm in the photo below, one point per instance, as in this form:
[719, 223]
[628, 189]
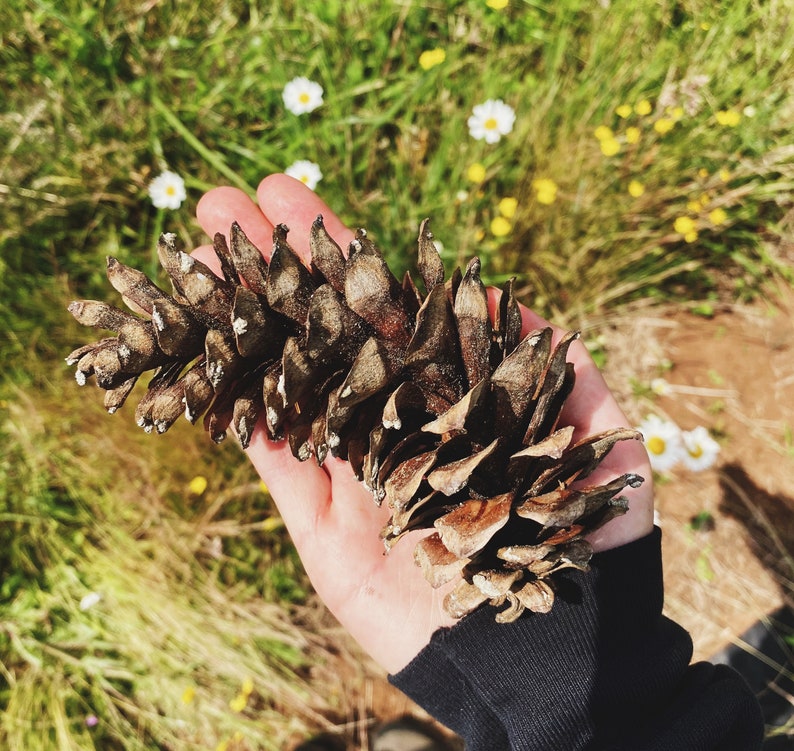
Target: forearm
[603, 670]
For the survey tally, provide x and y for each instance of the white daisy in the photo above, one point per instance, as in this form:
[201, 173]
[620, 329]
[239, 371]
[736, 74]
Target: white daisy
[301, 95]
[305, 171]
[167, 190]
[491, 120]
[663, 442]
[700, 449]
[661, 387]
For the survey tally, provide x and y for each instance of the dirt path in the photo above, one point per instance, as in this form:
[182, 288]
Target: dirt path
[734, 374]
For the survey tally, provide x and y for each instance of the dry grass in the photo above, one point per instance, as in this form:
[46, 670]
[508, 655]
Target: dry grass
[163, 654]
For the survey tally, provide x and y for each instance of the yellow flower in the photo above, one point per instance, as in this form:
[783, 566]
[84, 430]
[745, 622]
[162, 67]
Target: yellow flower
[272, 523]
[610, 146]
[684, 225]
[602, 133]
[508, 206]
[623, 111]
[663, 125]
[694, 206]
[248, 686]
[476, 172]
[188, 695]
[430, 58]
[545, 190]
[718, 216]
[643, 107]
[239, 703]
[687, 227]
[198, 485]
[263, 487]
[636, 188]
[703, 173]
[632, 135]
[705, 25]
[725, 174]
[222, 746]
[500, 226]
[730, 118]
[496, 4]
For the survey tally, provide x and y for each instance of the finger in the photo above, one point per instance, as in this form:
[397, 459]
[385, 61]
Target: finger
[285, 200]
[628, 456]
[219, 207]
[353, 508]
[591, 408]
[530, 321]
[301, 491]
[206, 254]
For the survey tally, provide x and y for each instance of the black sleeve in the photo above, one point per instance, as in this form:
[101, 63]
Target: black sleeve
[603, 670]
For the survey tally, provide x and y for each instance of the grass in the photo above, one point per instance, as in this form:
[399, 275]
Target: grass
[102, 98]
[186, 606]
[98, 98]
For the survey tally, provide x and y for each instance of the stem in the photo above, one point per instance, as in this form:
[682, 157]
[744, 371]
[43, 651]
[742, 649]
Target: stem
[213, 158]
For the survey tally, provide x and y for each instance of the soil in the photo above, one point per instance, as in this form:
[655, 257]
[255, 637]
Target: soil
[728, 531]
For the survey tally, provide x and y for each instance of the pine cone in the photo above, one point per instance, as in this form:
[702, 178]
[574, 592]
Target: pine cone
[447, 417]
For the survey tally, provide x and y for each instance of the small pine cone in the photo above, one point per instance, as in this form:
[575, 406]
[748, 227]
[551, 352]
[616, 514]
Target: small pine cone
[450, 419]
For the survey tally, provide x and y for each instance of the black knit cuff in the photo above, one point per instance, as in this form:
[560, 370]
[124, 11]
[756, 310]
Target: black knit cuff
[434, 683]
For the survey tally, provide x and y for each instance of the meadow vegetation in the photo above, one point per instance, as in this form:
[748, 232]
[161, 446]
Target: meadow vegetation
[652, 156]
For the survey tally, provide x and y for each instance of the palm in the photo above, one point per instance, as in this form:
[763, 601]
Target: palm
[383, 600]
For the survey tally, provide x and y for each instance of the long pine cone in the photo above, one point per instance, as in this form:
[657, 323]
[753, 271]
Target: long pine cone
[450, 419]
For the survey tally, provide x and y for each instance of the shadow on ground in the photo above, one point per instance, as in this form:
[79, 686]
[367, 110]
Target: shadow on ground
[764, 654]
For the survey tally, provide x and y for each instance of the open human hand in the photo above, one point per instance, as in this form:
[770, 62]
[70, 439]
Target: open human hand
[384, 600]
